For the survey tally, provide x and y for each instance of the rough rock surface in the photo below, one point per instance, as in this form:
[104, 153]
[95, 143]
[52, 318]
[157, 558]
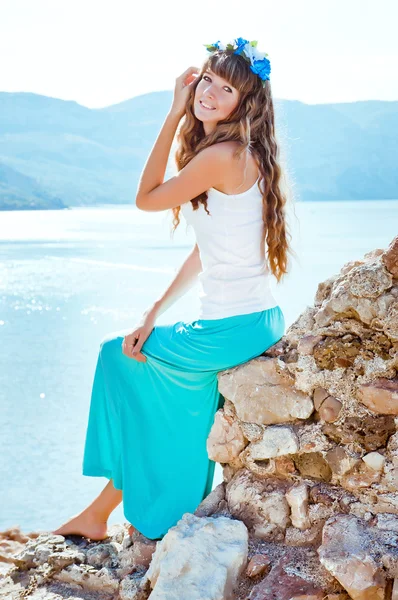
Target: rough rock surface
[308, 441]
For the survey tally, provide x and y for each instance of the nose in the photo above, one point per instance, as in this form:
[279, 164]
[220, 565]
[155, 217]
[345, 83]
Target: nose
[209, 92]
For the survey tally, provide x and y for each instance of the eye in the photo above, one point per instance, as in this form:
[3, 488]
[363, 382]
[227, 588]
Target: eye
[205, 77]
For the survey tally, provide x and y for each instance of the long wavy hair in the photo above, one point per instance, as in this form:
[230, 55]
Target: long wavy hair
[251, 124]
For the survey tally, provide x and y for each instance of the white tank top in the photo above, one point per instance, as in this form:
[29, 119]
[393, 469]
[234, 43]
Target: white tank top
[235, 278]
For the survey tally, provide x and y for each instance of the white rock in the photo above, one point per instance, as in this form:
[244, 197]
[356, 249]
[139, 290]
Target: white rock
[225, 441]
[276, 441]
[89, 578]
[297, 498]
[182, 559]
[374, 460]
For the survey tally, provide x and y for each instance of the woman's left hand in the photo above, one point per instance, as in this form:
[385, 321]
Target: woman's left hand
[183, 89]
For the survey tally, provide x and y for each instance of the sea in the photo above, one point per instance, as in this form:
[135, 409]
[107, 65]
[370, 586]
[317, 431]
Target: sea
[70, 277]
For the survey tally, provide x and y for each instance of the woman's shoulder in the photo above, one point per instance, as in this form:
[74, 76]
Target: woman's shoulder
[242, 167]
[232, 153]
[237, 152]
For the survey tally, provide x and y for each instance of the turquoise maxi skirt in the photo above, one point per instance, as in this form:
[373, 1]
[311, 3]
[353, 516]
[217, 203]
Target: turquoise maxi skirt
[149, 421]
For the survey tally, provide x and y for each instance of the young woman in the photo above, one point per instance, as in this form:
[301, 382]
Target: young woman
[155, 389]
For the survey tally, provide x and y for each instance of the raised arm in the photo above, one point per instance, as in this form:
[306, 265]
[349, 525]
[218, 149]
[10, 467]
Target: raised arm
[207, 169]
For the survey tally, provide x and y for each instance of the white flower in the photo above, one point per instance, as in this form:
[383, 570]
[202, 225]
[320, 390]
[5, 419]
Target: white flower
[252, 53]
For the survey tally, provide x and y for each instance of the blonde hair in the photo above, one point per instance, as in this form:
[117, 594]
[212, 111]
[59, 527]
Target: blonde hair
[252, 125]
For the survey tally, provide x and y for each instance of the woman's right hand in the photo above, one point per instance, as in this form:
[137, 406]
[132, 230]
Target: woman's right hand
[133, 341]
[182, 90]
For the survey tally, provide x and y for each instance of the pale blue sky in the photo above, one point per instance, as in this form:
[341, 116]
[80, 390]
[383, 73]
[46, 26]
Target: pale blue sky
[101, 52]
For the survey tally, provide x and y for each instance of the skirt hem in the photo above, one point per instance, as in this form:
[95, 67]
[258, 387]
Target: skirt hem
[100, 472]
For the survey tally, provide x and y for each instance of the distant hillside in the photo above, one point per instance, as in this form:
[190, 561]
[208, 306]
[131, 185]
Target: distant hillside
[17, 192]
[60, 153]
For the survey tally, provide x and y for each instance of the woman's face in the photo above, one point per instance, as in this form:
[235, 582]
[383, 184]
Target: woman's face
[217, 94]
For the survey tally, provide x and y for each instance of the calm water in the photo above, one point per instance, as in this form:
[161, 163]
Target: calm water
[67, 278]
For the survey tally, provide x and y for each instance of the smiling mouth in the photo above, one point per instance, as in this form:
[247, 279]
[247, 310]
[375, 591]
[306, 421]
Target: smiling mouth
[206, 107]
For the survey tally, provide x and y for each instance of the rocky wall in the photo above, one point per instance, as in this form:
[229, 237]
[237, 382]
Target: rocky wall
[308, 442]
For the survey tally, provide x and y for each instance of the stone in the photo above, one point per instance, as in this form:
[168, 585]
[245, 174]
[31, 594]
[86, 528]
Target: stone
[259, 468]
[388, 522]
[307, 343]
[317, 596]
[103, 555]
[300, 327]
[297, 498]
[369, 280]
[284, 466]
[340, 460]
[394, 591]
[311, 438]
[180, 564]
[276, 441]
[263, 395]
[212, 503]
[313, 465]
[390, 258]
[259, 564]
[347, 552]
[305, 537]
[320, 394]
[358, 294]
[324, 290]
[361, 476]
[374, 460]
[284, 584]
[137, 554]
[333, 353]
[370, 432]
[131, 587]
[38, 550]
[225, 440]
[380, 396]
[390, 321]
[330, 409]
[330, 495]
[251, 431]
[102, 580]
[261, 505]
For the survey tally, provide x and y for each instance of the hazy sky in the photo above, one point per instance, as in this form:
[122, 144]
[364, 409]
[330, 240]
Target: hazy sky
[101, 52]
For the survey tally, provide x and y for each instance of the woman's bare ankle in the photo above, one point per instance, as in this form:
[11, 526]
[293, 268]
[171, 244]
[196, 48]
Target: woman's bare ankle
[94, 516]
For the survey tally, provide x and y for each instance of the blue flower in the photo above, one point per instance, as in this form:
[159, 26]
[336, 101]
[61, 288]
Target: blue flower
[241, 43]
[262, 68]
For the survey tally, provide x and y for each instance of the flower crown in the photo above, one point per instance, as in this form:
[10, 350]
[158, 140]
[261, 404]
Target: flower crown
[259, 64]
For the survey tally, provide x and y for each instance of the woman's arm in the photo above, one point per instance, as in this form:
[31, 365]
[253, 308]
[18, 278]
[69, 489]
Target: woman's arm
[207, 169]
[184, 279]
[182, 282]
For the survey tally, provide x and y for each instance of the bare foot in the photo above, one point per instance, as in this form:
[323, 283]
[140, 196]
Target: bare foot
[84, 525]
[131, 530]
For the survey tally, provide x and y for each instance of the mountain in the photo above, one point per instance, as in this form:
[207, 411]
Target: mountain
[18, 191]
[55, 152]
